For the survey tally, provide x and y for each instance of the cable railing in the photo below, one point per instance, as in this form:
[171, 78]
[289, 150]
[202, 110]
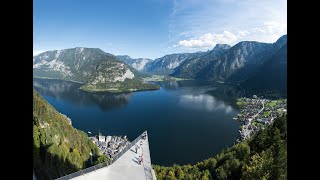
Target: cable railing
[104, 164]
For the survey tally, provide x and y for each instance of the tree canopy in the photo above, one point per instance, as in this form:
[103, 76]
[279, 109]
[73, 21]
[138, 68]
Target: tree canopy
[58, 148]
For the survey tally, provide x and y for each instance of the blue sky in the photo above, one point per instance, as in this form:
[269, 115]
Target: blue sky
[153, 28]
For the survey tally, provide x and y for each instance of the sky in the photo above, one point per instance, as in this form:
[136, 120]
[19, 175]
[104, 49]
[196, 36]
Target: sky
[154, 28]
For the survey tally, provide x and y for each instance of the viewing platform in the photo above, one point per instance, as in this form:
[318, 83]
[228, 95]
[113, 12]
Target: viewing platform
[124, 166]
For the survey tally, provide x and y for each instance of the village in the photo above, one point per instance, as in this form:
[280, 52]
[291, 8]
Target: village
[110, 145]
[257, 112]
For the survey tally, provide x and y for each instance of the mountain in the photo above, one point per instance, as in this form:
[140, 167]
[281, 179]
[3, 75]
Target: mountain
[191, 67]
[138, 64]
[281, 42]
[246, 53]
[220, 47]
[256, 67]
[222, 61]
[232, 64]
[75, 64]
[166, 64]
[271, 78]
[96, 69]
[58, 148]
[250, 70]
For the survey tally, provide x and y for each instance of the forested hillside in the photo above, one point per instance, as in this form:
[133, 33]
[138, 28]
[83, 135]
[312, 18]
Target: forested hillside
[58, 148]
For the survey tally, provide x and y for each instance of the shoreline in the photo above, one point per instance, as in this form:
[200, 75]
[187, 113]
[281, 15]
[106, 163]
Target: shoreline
[163, 78]
[83, 88]
[116, 91]
[38, 77]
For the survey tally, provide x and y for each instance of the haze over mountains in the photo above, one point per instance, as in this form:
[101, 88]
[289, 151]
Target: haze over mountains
[247, 63]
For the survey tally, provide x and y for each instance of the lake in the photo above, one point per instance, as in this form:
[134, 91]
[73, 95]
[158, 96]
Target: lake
[187, 121]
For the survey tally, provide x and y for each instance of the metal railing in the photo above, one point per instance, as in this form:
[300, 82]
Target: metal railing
[104, 164]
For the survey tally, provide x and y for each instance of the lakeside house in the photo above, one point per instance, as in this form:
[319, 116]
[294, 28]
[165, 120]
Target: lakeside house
[108, 139]
[102, 138]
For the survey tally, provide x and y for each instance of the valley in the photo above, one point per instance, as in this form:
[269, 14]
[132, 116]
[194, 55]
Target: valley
[245, 64]
[189, 96]
[159, 89]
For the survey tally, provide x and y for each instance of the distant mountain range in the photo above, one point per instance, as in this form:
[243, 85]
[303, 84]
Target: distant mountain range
[246, 64]
[96, 69]
[160, 66]
[233, 64]
[139, 64]
[254, 66]
[192, 68]
[166, 64]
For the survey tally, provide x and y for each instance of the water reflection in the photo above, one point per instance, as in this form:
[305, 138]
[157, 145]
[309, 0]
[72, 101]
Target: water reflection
[208, 95]
[70, 91]
[177, 114]
[204, 101]
[184, 84]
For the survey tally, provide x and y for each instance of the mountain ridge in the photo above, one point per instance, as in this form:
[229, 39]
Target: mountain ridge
[138, 64]
[165, 65]
[220, 66]
[98, 70]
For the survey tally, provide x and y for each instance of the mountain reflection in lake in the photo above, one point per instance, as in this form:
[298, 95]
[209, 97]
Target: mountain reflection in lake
[70, 91]
[187, 121]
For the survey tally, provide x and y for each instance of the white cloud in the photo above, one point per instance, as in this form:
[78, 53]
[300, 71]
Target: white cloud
[275, 27]
[36, 52]
[193, 23]
[268, 31]
[244, 33]
[209, 40]
[271, 27]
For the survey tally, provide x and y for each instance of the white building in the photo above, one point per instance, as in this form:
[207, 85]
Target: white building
[102, 138]
[108, 139]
